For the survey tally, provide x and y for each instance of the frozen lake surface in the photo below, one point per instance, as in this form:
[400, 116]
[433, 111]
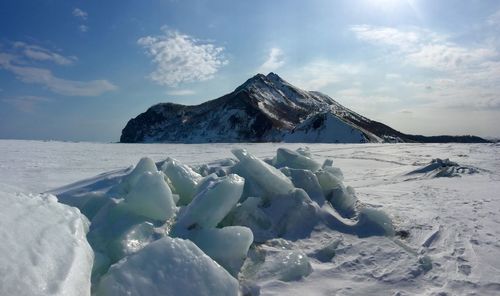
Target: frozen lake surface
[453, 220]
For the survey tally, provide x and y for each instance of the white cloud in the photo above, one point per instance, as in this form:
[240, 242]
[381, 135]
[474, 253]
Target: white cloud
[82, 15]
[39, 53]
[83, 28]
[273, 62]
[391, 76]
[35, 75]
[77, 12]
[181, 92]
[448, 56]
[370, 105]
[423, 48]
[494, 19]
[349, 92]
[25, 104]
[182, 58]
[318, 74]
[387, 36]
[466, 76]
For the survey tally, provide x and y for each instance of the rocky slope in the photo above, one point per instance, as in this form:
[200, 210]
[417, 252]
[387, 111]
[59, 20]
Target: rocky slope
[265, 108]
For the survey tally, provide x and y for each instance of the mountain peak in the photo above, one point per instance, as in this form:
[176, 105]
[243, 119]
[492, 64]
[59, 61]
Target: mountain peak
[260, 80]
[254, 80]
[274, 77]
[264, 108]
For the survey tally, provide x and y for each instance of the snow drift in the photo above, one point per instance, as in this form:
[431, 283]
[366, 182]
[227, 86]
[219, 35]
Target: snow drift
[44, 250]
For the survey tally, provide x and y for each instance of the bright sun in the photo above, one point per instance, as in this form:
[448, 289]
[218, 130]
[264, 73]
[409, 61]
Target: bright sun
[385, 2]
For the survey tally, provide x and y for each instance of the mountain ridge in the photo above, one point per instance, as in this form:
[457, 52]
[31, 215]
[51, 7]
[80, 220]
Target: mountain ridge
[265, 108]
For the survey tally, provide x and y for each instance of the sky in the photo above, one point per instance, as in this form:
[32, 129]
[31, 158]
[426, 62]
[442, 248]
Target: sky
[79, 70]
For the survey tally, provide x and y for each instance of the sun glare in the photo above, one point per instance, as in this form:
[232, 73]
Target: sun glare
[386, 4]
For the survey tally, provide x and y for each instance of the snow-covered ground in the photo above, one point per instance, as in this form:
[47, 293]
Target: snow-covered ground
[452, 220]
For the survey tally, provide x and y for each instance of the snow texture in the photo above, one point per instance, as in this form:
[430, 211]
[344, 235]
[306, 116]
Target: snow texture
[326, 128]
[43, 249]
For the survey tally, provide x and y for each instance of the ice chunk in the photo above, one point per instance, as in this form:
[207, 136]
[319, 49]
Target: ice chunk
[228, 246]
[183, 179]
[327, 163]
[94, 203]
[328, 181]
[425, 262]
[335, 171]
[211, 205]
[288, 158]
[344, 200]
[257, 173]
[308, 181]
[328, 167]
[228, 162]
[327, 252]
[250, 214]
[151, 197]
[168, 267]
[305, 151]
[374, 222]
[43, 250]
[205, 182]
[293, 215]
[443, 168]
[108, 226]
[284, 265]
[203, 170]
[175, 197]
[145, 164]
[100, 267]
[132, 240]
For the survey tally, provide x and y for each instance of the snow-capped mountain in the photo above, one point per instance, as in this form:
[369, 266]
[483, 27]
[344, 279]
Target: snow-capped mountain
[265, 108]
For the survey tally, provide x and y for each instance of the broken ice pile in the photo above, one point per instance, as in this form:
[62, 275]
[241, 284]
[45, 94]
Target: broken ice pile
[438, 168]
[158, 227]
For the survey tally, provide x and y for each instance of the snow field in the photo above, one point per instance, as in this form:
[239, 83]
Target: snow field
[450, 219]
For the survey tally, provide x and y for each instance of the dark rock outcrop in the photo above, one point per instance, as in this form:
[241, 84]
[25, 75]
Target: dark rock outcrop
[266, 108]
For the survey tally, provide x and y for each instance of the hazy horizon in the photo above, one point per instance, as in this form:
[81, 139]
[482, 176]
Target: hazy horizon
[78, 70]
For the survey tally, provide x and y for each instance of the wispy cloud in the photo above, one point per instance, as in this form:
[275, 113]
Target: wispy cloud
[274, 61]
[39, 53]
[494, 19]
[19, 66]
[424, 48]
[388, 36]
[79, 13]
[181, 92]
[25, 104]
[391, 76]
[83, 28]
[318, 74]
[349, 92]
[82, 16]
[182, 58]
[59, 85]
[471, 73]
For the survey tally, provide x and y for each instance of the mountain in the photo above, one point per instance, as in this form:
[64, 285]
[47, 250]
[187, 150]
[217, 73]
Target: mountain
[265, 108]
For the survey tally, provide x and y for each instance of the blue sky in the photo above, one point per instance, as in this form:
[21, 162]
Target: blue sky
[78, 70]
